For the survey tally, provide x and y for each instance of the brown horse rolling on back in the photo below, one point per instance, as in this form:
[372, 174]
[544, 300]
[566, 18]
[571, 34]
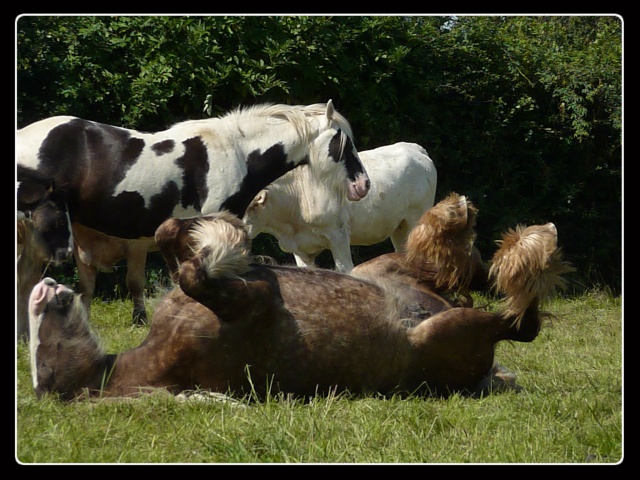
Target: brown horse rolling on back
[235, 327]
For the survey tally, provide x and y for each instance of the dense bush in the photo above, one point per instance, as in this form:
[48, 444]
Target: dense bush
[520, 113]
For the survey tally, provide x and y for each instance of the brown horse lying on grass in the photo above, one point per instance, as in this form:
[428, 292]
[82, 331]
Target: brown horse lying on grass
[234, 326]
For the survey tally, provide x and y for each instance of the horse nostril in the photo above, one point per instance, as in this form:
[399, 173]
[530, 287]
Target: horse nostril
[368, 184]
[62, 254]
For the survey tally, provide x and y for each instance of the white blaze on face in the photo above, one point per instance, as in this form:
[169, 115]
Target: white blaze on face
[36, 300]
[40, 296]
[70, 244]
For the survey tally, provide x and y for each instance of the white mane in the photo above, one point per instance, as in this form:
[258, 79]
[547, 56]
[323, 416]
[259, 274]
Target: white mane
[297, 115]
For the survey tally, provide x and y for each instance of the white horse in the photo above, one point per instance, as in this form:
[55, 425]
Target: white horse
[307, 216]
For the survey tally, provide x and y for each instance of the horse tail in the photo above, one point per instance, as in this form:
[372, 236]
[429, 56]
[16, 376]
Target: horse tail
[218, 273]
[528, 268]
[444, 237]
[222, 243]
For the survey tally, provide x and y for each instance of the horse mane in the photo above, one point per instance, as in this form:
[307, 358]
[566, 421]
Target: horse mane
[343, 123]
[297, 115]
[320, 109]
[79, 333]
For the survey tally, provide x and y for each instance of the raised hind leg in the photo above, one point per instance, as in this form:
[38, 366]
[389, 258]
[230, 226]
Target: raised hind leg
[230, 298]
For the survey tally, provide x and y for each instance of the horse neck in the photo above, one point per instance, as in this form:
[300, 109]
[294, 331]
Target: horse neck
[113, 375]
[298, 134]
[127, 373]
[84, 367]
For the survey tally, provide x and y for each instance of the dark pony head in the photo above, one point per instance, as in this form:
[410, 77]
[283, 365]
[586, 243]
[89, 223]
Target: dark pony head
[39, 202]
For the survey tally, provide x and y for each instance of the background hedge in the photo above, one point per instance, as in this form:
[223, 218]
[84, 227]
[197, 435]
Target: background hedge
[523, 114]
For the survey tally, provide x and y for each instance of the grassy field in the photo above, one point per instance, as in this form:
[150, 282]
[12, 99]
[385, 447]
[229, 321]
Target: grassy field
[568, 411]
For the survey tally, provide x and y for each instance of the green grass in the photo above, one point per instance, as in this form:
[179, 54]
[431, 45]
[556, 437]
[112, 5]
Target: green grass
[569, 411]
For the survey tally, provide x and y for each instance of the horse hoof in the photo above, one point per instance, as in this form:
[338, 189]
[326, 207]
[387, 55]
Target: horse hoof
[140, 319]
[499, 379]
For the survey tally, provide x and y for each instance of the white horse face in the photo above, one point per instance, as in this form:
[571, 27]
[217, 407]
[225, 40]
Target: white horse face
[334, 154]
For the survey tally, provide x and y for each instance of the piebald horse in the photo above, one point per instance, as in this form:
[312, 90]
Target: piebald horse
[235, 326]
[124, 183]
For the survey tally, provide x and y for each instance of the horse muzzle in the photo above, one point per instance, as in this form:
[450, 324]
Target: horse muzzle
[359, 188]
[61, 255]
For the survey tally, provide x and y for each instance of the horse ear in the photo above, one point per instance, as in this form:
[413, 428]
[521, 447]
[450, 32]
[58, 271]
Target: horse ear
[329, 112]
[261, 197]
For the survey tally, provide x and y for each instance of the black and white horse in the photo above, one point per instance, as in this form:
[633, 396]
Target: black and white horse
[125, 183]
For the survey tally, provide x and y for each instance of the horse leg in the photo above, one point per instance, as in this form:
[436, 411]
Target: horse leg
[499, 379]
[399, 236]
[304, 260]
[86, 278]
[454, 349]
[230, 298]
[342, 257]
[339, 242]
[136, 261]
[27, 279]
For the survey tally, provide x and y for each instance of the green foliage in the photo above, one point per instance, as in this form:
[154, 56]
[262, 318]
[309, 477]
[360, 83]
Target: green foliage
[523, 114]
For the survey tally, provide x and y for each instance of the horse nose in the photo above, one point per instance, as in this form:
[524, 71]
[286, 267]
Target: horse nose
[363, 185]
[49, 282]
[62, 255]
